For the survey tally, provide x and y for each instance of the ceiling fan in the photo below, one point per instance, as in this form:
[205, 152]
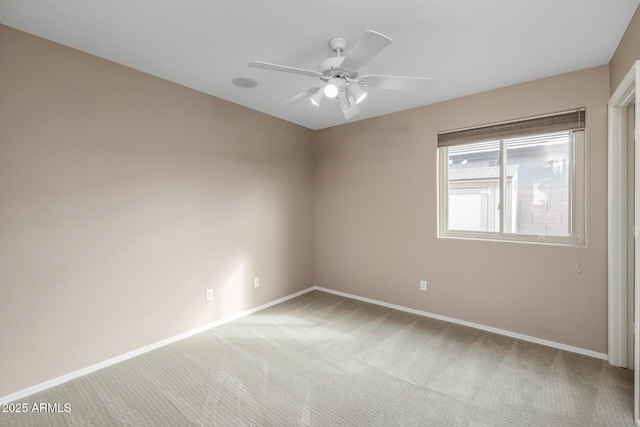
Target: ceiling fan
[339, 75]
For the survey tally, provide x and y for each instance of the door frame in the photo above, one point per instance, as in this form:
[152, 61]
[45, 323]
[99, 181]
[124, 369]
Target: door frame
[626, 93]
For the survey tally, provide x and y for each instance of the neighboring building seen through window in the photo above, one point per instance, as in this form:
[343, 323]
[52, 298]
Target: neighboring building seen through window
[526, 186]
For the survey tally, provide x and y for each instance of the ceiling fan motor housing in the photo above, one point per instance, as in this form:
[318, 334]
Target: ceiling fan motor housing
[331, 67]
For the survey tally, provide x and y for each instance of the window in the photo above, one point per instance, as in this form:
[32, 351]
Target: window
[520, 180]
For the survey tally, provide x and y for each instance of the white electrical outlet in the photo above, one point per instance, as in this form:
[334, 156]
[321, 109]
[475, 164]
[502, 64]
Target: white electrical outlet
[423, 285]
[256, 282]
[209, 294]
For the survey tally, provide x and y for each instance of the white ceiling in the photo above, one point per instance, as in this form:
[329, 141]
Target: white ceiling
[466, 46]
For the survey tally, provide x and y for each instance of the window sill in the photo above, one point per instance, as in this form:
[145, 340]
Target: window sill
[571, 241]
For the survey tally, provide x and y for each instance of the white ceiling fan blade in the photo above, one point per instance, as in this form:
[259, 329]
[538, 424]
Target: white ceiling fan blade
[397, 83]
[365, 49]
[286, 69]
[297, 97]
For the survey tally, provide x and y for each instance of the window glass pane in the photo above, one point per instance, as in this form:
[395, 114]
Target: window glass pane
[537, 187]
[474, 187]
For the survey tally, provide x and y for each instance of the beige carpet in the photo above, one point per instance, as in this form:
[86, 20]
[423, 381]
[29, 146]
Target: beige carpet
[324, 360]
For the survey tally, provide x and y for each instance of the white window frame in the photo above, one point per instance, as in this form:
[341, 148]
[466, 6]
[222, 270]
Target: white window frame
[576, 205]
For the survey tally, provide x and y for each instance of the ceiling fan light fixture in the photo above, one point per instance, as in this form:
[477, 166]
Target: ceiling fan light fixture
[317, 97]
[352, 108]
[344, 100]
[331, 89]
[357, 92]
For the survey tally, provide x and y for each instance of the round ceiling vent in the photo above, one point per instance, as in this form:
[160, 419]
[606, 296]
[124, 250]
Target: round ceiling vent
[244, 82]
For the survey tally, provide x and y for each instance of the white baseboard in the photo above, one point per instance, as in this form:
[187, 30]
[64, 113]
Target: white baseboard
[81, 372]
[84, 371]
[471, 324]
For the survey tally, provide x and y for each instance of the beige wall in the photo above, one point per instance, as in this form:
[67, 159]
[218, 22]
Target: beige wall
[627, 53]
[123, 198]
[376, 220]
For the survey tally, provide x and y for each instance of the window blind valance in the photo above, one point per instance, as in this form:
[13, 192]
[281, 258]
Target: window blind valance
[559, 122]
